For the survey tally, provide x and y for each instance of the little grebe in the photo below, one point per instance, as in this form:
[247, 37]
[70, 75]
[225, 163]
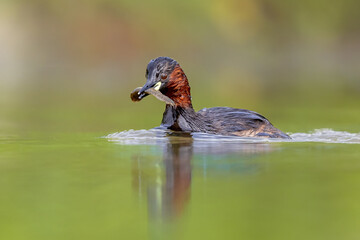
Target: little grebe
[167, 81]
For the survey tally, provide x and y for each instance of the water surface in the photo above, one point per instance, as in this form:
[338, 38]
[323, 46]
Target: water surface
[151, 184]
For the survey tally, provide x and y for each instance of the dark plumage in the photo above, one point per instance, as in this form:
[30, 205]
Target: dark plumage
[165, 75]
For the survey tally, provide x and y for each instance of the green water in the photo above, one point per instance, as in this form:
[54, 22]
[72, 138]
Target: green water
[80, 186]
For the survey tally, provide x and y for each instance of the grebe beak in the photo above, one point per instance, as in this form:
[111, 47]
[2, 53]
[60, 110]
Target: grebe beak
[147, 86]
[142, 95]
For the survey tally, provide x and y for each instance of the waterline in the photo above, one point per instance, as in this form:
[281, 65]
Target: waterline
[158, 136]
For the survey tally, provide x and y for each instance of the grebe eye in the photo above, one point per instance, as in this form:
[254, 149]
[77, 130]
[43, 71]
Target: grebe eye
[163, 76]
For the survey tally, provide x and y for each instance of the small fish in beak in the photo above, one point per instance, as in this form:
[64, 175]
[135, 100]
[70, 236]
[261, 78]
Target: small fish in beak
[136, 97]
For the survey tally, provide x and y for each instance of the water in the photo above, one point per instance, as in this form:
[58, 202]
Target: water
[154, 184]
[219, 187]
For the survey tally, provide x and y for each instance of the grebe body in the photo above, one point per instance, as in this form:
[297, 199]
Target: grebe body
[168, 82]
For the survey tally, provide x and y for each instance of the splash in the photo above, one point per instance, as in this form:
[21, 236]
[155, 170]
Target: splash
[327, 136]
[139, 137]
[160, 136]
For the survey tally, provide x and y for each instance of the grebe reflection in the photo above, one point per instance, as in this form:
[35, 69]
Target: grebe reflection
[165, 182]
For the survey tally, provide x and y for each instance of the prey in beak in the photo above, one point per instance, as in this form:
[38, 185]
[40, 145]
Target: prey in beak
[138, 93]
[142, 92]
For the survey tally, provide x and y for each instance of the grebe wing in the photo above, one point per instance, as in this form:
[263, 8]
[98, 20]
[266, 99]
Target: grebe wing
[240, 122]
[241, 119]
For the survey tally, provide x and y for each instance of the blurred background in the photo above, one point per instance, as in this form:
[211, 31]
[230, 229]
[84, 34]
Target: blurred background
[69, 66]
[66, 72]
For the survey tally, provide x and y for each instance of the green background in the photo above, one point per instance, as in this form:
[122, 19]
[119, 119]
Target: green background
[66, 72]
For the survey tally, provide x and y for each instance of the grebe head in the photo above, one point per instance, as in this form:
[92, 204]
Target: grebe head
[157, 74]
[165, 75]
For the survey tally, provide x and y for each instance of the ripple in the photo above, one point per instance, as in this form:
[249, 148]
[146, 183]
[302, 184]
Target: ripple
[138, 137]
[160, 136]
[327, 136]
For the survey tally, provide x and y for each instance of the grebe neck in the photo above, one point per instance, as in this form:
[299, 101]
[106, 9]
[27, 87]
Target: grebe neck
[178, 88]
